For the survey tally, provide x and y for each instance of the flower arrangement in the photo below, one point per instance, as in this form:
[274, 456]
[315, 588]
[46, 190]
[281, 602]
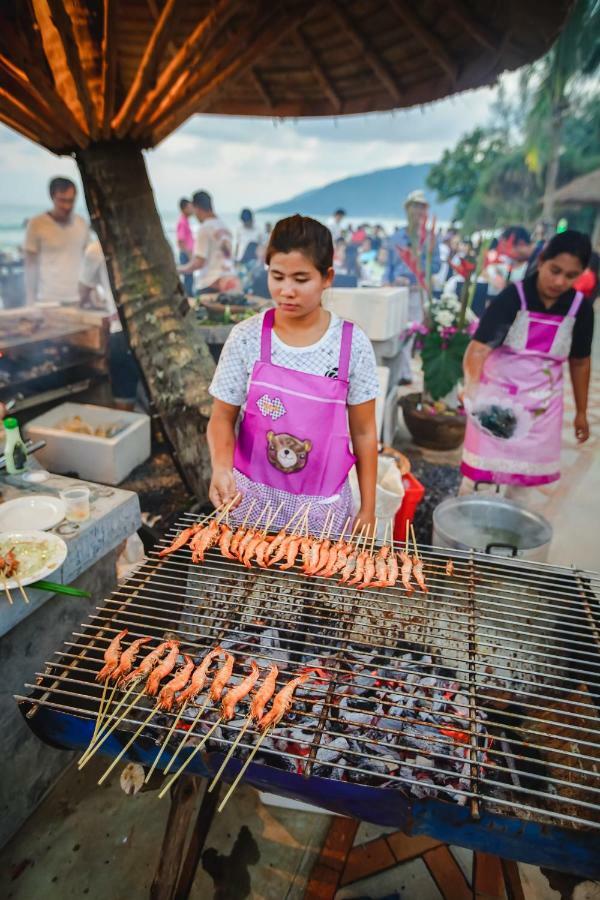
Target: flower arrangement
[448, 322]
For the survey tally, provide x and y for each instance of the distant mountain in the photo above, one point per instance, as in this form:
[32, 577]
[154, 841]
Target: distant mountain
[374, 194]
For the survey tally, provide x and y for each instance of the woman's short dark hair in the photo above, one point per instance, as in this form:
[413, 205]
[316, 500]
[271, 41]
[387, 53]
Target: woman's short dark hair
[305, 235]
[183, 203]
[576, 243]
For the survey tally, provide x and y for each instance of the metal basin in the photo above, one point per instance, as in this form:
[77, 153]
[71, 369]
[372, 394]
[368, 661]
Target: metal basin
[491, 524]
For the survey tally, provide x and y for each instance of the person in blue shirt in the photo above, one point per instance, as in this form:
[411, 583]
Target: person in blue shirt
[398, 273]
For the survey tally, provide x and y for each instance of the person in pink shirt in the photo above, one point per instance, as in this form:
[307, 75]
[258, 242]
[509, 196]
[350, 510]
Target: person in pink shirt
[185, 242]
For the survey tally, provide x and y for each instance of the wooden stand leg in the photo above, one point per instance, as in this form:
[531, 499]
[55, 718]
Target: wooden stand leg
[178, 863]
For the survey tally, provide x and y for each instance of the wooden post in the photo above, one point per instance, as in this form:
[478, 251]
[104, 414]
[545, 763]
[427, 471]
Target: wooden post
[179, 857]
[175, 362]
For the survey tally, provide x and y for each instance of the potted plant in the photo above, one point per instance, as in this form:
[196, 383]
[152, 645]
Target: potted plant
[435, 417]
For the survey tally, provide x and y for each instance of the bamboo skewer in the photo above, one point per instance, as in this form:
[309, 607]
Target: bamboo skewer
[274, 516]
[150, 716]
[101, 738]
[185, 737]
[240, 774]
[412, 531]
[6, 591]
[248, 511]
[165, 742]
[99, 717]
[230, 753]
[220, 515]
[187, 761]
[22, 589]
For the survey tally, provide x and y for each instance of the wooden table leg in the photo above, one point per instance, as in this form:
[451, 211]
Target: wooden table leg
[178, 863]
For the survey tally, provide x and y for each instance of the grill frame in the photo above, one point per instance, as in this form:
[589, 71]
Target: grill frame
[484, 823]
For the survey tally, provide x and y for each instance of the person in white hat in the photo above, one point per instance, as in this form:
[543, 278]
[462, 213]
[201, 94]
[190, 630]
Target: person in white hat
[398, 273]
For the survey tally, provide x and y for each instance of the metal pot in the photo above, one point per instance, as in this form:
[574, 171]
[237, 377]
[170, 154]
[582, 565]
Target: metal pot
[493, 525]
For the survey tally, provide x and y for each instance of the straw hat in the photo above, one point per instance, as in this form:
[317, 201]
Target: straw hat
[416, 197]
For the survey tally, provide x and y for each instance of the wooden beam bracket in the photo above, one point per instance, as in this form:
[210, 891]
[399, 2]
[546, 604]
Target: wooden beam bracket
[426, 37]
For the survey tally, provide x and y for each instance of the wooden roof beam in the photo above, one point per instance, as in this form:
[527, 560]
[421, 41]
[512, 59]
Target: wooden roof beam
[279, 23]
[379, 67]
[32, 58]
[109, 65]
[479, 32]
[216, 19]
[426, 37]
[172, 49]
[261, 87]
[20, 129]
[319, 72]
[146, 72]
[26, 119]
[64, 26]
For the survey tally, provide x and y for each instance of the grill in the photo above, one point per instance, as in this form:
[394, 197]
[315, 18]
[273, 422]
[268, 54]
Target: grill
[469, 713]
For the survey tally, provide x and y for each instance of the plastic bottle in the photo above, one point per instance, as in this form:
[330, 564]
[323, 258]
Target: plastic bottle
[15, 451]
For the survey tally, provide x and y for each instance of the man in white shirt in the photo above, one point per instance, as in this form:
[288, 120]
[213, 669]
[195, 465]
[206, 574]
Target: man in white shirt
[213, 250]
[335, 224]
[54, 245]
[124, 373]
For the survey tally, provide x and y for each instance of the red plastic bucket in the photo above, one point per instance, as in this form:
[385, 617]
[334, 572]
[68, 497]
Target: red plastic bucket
[414, 492]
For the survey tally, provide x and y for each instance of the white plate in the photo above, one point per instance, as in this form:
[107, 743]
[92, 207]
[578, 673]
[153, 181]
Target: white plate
[55, 556]
[39, 512]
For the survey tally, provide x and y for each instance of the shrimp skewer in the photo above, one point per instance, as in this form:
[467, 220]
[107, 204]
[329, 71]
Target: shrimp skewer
[260, 699]
[181, 539]
[127, 658]
[164, 668]
[282, 702]
[418, 565]
[112, 655]
[165, 701]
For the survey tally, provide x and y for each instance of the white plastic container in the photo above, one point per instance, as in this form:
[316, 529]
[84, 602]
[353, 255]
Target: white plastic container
[381, 312]
[99, 459]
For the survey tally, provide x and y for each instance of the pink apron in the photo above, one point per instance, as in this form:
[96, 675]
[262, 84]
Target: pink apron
[293, 443]
[514, 427]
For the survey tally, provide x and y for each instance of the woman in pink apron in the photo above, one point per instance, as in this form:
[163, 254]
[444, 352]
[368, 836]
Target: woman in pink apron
[514, 391]
[306, 384]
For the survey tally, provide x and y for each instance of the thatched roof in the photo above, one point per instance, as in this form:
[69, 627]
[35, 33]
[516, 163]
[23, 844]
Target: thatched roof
[582, 191]
[72, 71]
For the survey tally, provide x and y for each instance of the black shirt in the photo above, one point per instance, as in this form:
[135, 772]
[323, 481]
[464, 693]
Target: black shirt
[501, 313]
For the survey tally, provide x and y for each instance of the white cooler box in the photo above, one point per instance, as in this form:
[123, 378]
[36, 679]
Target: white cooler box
[106, 460]
[382, 313]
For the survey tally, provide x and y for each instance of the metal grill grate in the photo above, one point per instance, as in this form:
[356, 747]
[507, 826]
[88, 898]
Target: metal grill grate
[520, 645]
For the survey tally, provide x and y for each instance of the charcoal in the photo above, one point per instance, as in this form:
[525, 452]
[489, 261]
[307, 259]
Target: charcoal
[333, 750]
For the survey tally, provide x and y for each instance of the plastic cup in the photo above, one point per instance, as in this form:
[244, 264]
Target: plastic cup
[77, 504]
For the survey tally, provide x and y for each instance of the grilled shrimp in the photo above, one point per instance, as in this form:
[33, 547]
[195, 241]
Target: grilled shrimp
[225, 542]
[163, 669]
[204, 541]
[369, 573]
[406, 571]
[282, 702]
[221, 678]
[127, 658]
[359, 571]
[323, 557]
[313, 557]
[449, 567]
[182, 538]
[305, 550]
[112, 655]
[418, 573]
[251, 547]
[264, 694]
[348, 568]
[238, 692]
[246, 538]
[332, 559]
[393, 572]
[275, 544]
[148, 663]
[292, 552]
[235, 541]
[199, 677]
[166, 698]
[281, 550]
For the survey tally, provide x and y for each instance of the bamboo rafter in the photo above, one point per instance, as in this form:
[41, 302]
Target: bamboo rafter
[318, 71]
[171, 81]
[374, 61]
[269, 30]
[426, 36]
[148, 66]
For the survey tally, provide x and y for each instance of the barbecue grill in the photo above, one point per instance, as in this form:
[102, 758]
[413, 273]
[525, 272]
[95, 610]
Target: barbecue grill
[469, 713]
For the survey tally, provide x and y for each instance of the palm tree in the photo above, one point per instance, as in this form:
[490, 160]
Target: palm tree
[574, 56]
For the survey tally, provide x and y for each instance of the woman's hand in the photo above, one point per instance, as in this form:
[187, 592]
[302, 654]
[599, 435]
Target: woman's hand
[582, 429]
[364, 517]
[222, 488]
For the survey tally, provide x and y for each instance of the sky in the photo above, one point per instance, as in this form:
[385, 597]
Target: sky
[252, 162]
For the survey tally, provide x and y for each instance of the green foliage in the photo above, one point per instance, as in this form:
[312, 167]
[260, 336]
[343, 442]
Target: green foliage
[457, 173]
[442, 362]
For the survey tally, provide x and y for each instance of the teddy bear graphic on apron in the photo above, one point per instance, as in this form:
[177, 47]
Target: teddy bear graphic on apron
[514, 428]
[293, 440]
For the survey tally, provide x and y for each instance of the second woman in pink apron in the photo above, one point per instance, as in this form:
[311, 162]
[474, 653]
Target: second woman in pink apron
[305, 383]
[513, 371]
